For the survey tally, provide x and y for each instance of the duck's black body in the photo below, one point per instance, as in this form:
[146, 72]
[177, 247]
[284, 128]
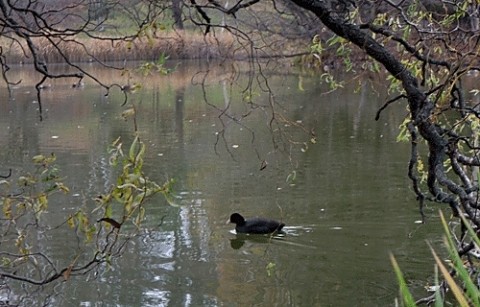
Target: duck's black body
[257, 225]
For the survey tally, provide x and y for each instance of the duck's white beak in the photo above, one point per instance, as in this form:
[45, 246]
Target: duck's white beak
[228, 221]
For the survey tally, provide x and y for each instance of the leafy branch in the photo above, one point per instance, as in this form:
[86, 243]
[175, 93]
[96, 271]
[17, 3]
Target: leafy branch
[99, 230]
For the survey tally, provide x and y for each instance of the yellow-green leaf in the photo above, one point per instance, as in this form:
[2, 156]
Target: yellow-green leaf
[38, 159]
[7, 208]
[133, 149]
[128, 113]
[71, 222]
[270, 268]
[62, 187]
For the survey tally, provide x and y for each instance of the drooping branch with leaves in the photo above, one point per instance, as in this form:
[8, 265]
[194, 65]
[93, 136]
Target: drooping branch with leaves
[102, 229]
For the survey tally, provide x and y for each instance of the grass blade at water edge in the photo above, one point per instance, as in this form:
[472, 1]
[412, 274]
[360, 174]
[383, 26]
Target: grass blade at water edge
[472, 291]
[404, 292]
[457, 292]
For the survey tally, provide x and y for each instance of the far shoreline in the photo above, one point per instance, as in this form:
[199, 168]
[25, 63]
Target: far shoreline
[174, 45]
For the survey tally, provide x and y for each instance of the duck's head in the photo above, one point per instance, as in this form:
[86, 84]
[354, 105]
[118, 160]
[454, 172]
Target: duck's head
[236, 218]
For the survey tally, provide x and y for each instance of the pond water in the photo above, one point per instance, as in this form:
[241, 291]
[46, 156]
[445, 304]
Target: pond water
[344, 196]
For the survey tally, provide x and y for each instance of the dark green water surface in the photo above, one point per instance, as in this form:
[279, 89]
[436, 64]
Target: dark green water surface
[345, 197]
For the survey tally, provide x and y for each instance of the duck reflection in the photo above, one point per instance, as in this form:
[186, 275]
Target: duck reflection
[241, 238]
